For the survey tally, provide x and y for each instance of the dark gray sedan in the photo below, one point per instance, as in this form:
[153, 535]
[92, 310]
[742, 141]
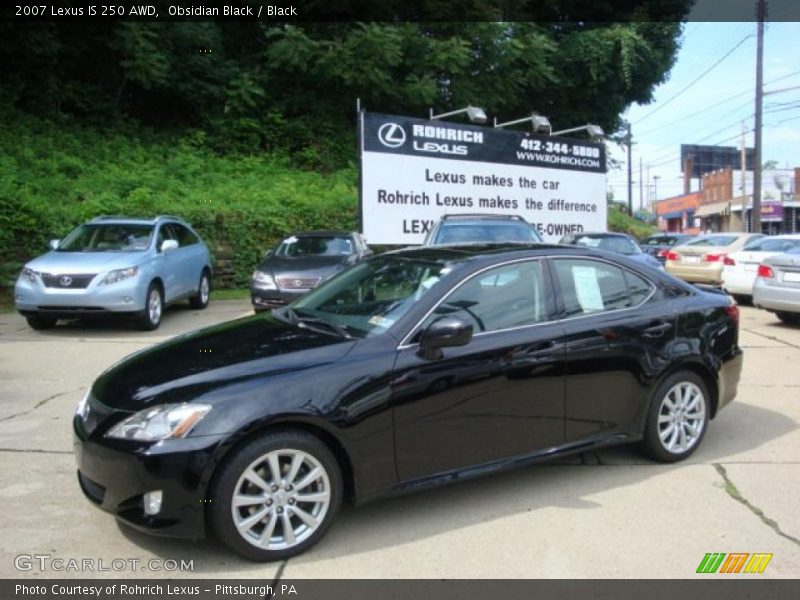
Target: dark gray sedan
[619, 243]
[301, 262]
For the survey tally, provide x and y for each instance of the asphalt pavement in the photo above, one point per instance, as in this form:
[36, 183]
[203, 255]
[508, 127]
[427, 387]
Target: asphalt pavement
[606, 514]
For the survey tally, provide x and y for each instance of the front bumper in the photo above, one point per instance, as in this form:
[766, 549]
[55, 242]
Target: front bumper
[115, 474]
[695, 273]
[776, 298]
[127, 296]
[263, 299]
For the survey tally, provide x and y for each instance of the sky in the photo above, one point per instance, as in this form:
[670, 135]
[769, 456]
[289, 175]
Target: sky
[703, 102]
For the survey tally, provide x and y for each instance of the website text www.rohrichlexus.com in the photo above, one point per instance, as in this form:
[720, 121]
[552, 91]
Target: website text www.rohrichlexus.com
[47, 563]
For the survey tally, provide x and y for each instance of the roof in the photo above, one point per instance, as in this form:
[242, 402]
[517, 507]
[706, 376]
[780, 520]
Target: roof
[599, 234]
[322, 232]
[481, 216]
[126, 219]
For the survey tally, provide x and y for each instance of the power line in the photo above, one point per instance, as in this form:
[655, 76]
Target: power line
[695, 80]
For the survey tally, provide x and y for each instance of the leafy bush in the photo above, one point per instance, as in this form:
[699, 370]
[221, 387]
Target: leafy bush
[54, 176]
[622, 222]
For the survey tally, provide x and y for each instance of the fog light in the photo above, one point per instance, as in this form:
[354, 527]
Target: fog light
[152, 502]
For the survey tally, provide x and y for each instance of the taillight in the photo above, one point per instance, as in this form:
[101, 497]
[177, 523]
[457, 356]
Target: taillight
[733, 312]
[765, 271]
[713, 257]
[672, 255]
[728, 261]
[663, 253]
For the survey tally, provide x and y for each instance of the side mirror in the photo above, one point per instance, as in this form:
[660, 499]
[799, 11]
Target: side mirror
[54, 244]
[367, 253]
[442, 333]
[168, 245]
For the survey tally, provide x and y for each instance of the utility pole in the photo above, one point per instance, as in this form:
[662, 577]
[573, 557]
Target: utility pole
[641, 184]
[743, 150]
[761, 15]
[655, 187]
[629, 140]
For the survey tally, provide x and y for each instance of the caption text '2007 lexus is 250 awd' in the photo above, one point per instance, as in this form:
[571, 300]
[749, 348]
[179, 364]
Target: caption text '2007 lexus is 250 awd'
[413, 368]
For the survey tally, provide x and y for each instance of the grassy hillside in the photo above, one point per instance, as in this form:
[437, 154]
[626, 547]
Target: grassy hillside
[55, 176]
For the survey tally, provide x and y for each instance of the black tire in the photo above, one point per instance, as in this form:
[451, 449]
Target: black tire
[147, 320]
[229, 479]
[652, 444]
[200, 300]
[743, 300]
[40, 323]
[789, 318]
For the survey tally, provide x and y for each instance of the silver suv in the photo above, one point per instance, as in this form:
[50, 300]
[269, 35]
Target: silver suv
[116, 266]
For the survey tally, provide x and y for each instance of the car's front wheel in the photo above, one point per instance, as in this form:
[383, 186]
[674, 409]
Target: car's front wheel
[39, 323]
[150, 317]
[276, 496]
[678, 418]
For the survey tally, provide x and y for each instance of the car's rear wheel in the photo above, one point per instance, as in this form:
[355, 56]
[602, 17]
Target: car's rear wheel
[789, 318]
[150, 317]
[39, 323]
[200, 300]
[276, 496]
[678, 417]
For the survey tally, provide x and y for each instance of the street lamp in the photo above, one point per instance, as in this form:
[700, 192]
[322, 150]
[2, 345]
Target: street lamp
[541, 124]
[474, 113]
[595, 131]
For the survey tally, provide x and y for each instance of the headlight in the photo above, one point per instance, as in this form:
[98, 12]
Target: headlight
[83, 405]
[160, 422]
[265, 280]
[120, 274]
[29, 274]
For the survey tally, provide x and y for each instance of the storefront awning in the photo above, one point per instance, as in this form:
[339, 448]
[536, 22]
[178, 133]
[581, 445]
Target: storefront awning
[675, 214]
[714, 208]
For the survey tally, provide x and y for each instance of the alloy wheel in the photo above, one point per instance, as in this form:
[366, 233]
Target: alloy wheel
[281, 499]
[154, 306]
[681, 417]
[204, 290]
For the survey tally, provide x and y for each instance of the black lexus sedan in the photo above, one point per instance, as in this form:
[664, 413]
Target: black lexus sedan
[301, 262]
[411, 369]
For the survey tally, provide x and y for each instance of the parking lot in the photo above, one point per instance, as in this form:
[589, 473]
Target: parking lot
[606, 514]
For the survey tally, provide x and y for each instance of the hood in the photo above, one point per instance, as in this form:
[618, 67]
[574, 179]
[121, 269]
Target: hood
[186, 367]
[84, 262]
[280, 265]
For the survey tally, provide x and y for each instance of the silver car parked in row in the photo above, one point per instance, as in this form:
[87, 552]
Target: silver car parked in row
[777, 286]
[116, 266]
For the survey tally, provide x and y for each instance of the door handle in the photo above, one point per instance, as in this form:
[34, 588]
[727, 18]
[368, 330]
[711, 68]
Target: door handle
[657, 330]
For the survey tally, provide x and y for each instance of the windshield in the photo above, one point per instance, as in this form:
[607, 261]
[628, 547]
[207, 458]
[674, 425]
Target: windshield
[712, 240]
[108, 237]
[773, 245]
[620, 245]
[486, 232]
[367, 299]
[315, 245]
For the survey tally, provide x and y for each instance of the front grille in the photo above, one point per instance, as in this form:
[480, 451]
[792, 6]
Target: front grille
[74, 309]
[67, 280]
[94, 491]
[297, 283]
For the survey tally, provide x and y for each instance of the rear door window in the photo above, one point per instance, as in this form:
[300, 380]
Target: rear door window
[589, 286]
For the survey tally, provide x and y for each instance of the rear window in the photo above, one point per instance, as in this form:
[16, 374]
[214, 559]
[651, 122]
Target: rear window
[772, 245]
[713, 240]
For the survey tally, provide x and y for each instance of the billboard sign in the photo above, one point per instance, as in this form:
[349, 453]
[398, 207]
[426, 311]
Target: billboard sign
[413, 171]
[711, 158]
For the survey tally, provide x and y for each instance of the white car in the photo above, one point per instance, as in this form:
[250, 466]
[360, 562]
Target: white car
[740, 268]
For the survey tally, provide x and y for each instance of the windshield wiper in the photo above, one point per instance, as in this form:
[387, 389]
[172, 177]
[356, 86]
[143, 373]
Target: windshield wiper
[315, 321]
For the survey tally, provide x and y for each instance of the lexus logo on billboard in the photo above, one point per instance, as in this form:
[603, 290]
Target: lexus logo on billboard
[392, 135]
